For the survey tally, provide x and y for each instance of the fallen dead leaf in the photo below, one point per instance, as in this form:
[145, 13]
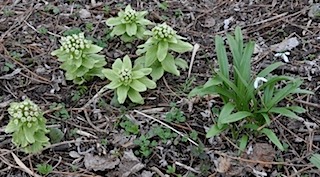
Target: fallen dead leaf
[263, 152]
[129, 164]
[100, 163]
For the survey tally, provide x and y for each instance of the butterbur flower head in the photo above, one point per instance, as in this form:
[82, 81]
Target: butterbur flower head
[125, 76]
[24, 111]
[75, 43]
[130, 15]
[163, 32]
[128, 80]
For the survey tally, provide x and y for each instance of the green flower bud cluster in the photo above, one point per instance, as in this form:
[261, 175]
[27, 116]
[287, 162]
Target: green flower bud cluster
[80, 59]
[125, 76]
[130, 16]
[163, 32]
[28, 126]
[75, 43]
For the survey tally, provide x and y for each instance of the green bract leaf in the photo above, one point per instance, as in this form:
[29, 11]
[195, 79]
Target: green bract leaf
[180, 46]
[119, 30]
[138, 86]
[151, 56]
[168, 65]
[315, 160]
[122, 92]
[162, 50]
[113, 21]
[131, 29]
[135, 96]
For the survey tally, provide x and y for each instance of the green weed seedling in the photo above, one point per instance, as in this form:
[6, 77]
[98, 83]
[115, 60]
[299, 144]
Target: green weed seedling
[175, 115]
[165, 134]
[145, 145]
[248, 99]
[28, 126]
[128, 81]
[129, 126]
[80, 59]
[60, 110]
[129, 24]
[157, 49]
[44, 169]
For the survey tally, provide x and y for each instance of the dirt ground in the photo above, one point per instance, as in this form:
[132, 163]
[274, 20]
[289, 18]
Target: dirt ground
[96, 143]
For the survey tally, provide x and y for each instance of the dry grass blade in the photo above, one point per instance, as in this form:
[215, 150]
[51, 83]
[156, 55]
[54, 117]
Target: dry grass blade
[23, 166]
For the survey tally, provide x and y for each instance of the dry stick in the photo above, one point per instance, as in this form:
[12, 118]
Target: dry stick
[96, 96]
[187, 167]
[23, 166]
[194, 52]
[267, 20]
[33, 28]
[158, 171]
[171, 128]
[300, 171]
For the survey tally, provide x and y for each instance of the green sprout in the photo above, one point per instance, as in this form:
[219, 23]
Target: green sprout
[80, 59]
[250, 101]
[157, 51]
[129, 24]
[28, 126]
[128, 80]
[44, 169]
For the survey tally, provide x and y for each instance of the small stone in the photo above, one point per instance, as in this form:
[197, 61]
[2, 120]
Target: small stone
[84, 13]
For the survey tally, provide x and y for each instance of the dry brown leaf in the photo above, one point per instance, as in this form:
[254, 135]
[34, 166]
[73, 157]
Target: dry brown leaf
[100, 163]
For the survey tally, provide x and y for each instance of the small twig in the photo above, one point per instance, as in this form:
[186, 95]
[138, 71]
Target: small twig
[53, 34]
[155, 169]
[96, 96]
[162, 123]
[187, 167]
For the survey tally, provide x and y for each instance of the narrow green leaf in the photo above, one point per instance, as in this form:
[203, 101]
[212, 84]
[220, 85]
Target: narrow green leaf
[162, 50]
[222, 56]
[269, 69]
[284, 111]
[282, 93]
[266, 118]
[273, 137]
[243, 143]
[297, 109]
[214, 130]
[234, 117]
